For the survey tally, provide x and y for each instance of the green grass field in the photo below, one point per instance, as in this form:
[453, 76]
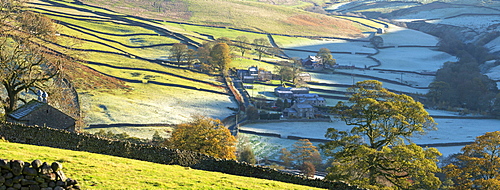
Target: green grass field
[96, 171]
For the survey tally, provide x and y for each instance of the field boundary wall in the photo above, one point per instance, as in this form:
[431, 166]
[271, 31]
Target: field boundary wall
[45, 136]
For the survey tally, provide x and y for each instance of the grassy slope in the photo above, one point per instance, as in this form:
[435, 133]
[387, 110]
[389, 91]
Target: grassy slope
[161, 104]
[239, 14]
[110, 104]
[96, 171]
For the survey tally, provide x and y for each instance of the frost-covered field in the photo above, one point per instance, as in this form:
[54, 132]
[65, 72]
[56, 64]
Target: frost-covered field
[342, 59]
[441, 13]
[478, 23]
[398, 36]
[344, 79]
[267, 147]
[412, 59]
[494, 73]
[335, 46]
[449, 130]
[408, 78]
[157, 104]
[494, 45]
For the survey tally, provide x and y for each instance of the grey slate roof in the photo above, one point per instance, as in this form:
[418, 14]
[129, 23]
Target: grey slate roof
[26, 109]
[304, 106]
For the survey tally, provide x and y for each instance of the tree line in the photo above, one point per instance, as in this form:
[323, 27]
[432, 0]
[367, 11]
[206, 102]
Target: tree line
[462, 84]
[216, 55]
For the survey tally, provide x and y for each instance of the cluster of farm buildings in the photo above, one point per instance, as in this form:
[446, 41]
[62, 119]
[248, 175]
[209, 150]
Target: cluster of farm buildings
[303, 103]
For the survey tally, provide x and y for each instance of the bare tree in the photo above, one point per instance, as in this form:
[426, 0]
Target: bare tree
[24, 67]
[260, 46]
[25, 64]
[178, 52]
[242, 42]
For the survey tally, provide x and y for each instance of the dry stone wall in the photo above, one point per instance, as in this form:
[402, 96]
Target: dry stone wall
[19, 175]
[45, 136]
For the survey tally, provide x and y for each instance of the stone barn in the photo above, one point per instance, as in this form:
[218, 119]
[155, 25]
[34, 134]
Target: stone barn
[41, 114]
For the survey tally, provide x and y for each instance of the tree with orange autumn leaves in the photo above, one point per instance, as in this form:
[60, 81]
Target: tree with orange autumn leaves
[478, 167]
[204, 135]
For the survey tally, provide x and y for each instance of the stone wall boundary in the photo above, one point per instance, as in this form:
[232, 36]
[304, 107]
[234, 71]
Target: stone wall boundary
[17, 174]
[45, 136]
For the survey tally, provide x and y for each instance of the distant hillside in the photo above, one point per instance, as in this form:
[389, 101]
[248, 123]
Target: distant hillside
[250, 15]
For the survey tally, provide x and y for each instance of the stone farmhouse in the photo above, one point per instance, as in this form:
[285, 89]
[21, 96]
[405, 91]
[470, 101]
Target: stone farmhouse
[303, 102]
[312, 99]
[41, 114]
[254, 73]
[288, 93]
[313, 62]
[299, 110]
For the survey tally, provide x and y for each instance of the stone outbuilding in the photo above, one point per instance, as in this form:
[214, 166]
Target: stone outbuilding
[312, 99]
[299, 110]
[41, 114]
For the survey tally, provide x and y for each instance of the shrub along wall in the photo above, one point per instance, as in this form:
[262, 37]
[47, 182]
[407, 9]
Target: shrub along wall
[45, 136]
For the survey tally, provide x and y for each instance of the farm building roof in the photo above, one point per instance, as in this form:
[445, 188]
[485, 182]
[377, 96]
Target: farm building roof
[26, 109]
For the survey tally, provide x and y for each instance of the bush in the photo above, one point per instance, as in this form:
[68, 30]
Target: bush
[308, 169]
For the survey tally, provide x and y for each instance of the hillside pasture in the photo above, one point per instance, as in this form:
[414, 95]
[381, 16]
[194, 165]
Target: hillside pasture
[244, 63]
[363, 21]
[150, 76]
[79, 5]
[254, 16]
[96, 171]
[350, 80]
[412, 79]
[356, 60]
[137, 45]
[449, 131]
[478, 23]
[412, 59]
[110, 47]
[399, 36]
[150, 103]
[332, 45]
[441, 11]
[494, 74]
[216, 32]
[494, 45]
[39, 6]
[383, 6]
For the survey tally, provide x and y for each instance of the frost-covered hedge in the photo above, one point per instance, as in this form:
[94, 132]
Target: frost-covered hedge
[45, 136]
